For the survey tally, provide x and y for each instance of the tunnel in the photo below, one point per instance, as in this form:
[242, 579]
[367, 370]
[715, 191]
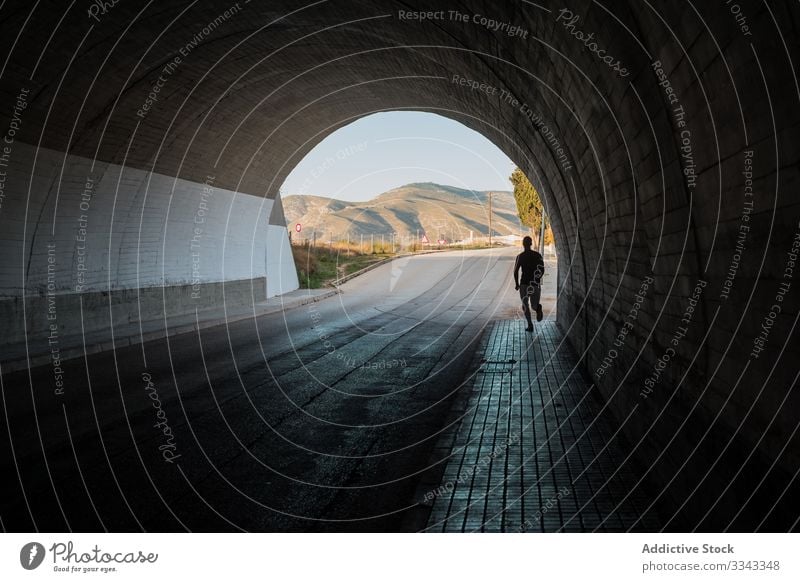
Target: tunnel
[145, 146]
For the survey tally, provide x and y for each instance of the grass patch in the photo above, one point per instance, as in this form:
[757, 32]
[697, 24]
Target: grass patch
[319, 267]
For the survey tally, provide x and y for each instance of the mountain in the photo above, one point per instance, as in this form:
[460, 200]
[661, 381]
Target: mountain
[433, 209]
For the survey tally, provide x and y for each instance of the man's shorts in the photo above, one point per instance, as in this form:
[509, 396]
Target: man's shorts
[530, 291]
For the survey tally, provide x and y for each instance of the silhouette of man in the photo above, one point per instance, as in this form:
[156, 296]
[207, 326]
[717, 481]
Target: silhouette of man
[529, 285]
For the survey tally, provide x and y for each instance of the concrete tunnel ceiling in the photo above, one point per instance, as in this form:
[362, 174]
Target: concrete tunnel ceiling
[654, 133]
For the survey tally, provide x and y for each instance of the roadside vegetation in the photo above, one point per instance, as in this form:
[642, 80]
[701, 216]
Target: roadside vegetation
[321, 266]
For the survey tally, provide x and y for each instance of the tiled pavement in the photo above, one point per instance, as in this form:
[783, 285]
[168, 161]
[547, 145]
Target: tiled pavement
[535, 451]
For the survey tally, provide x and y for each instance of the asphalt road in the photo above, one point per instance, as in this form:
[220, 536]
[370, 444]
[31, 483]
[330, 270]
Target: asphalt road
[317, 418]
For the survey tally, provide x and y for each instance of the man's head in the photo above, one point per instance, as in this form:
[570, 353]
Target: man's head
[527, 242]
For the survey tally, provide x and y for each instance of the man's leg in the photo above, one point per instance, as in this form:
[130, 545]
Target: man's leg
[523, 294]
[535, 298]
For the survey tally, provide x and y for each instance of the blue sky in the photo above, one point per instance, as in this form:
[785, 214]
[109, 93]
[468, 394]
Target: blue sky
[387, 150]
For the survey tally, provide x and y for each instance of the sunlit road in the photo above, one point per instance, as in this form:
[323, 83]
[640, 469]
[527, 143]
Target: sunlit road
[321, 417]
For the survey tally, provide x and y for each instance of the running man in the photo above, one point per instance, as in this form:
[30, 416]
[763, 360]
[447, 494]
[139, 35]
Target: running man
[529, 286]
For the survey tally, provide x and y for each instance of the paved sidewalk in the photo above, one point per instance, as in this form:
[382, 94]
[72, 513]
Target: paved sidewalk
[17, 357]
[535, 451]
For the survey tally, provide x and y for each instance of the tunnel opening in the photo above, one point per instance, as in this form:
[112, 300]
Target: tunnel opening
[127, 150]
[391, 183]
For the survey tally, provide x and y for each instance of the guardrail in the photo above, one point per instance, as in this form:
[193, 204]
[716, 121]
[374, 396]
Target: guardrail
[377, 264]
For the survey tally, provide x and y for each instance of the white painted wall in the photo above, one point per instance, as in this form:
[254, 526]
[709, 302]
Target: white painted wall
[281, 272]
[142, 229]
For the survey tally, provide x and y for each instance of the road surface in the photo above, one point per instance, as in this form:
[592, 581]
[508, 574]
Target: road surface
[318, 418]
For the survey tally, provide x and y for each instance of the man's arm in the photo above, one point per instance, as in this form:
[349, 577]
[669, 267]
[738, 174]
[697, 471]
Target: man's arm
[539, 272]
[516, 273]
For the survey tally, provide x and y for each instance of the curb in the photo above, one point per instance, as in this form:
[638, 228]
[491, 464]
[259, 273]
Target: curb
[346, 278]
[375, 265]
[71, 353]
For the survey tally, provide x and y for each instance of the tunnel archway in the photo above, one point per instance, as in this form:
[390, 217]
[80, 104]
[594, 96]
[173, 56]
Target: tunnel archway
[404, 177]
[654, 135]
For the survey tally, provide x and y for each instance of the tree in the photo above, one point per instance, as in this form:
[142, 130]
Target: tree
[529, 205]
